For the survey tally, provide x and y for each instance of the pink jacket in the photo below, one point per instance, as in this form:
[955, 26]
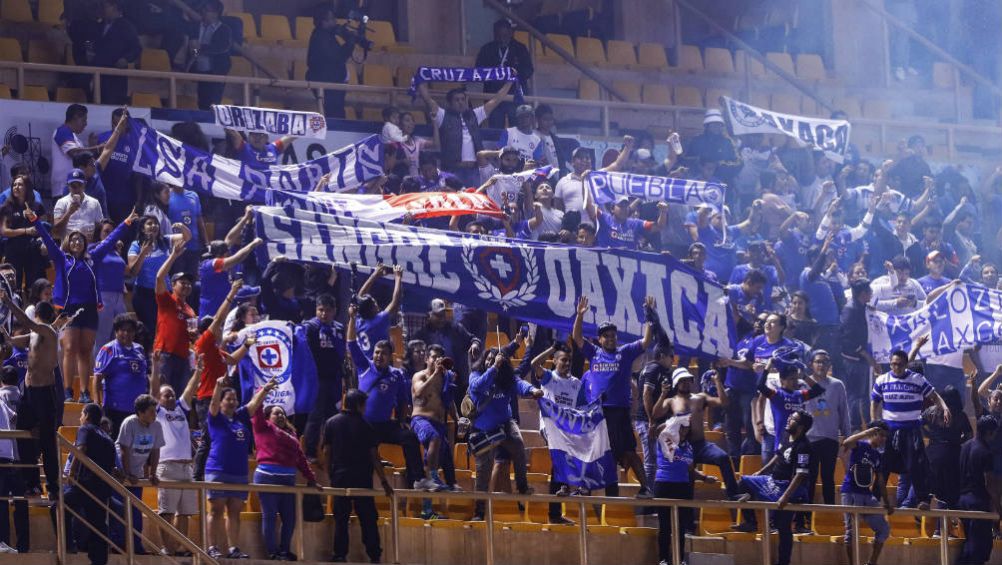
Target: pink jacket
[278, 447]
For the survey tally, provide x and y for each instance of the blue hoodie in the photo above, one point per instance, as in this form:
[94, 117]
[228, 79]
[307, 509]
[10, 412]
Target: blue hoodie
[494, 404]
[76, 281]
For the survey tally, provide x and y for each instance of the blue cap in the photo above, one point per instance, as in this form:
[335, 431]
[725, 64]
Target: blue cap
[246, 293]
[76, 175]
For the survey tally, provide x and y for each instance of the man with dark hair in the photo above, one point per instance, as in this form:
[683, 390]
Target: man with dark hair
[522, 136]
[388, 392]
[66, 144]
[864, 481]
[139, 441]
[905, 297]
[554, 148]
[93, 442]
[653, 380]
[351, 448]
[433, 391]
[325, 336]
[569, 192]
[504, 51]
[748, 298]
[373, 324]
[586, 234]
[854, 346]
[978, 491]
[116, 47]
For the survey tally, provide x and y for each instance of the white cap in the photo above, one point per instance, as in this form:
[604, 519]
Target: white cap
[679, 374]
[437, 306]
[713, 117]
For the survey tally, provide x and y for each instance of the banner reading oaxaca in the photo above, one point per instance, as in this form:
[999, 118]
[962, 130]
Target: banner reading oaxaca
[830, 136]
[279, 352]
[523, 279]
[960, 318]
[165, 159]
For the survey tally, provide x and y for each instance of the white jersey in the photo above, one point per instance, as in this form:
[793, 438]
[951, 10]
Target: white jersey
[570, 189]
[562, 391]
[177, 434]
[529, 145]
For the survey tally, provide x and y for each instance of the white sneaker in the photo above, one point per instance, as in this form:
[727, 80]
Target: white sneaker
[426, 484]
[4, 548]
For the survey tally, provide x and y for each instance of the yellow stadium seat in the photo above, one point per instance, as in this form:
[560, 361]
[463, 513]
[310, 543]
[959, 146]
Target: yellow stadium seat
[10, 50]
[299, 70]
[250, 28]
[656, 94]
[69, 432]
[275, 28]
[690, 59]
[713, 95]
[876, 109]
[186, 102]
[652, 55]
[749, 464]
[497, 339]
[154, 60]
[64, 94]
[275, 66]
[620, 53]
[631, 90]
[16, 11]
[590, 51]
[5, 92]
[781, 60]
[461, 456]
[392, 453]
[36, 93]
[304, 27]
[381, 33]
[786, 103]
[49, 11]
[942, 75]
[688, 96]
[350, 114]
[589, 90]
[40, 51]
[719, 60]
[377, 75]
[539, 460]
[146, 100]
[827, 523]
[403, 76]
[240, 67]
[538, 50]
[743, 62]
[273, 104]
[811, 67]
[562, 41]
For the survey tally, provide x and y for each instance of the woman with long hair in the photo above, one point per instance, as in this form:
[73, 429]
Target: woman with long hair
[156, 203]
[943, 449]
[21, 249]
[111, 285]
[146, 255]
[76, 293]
[279, 455]
[39, 291]
[800, 324]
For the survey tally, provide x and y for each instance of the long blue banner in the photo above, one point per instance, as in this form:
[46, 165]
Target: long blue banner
[165, 159]
[525, 279]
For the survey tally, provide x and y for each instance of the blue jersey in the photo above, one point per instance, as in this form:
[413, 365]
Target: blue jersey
[618, 235]
[387, 389]
[215, 283]
[784, 402]
[493, 402]
[736, 295]
[792, 252]
[147, 276]
[373, 330]
[930, 283]
[608, 376]
[19, 360]
[771, 279]
[186, 208]
[124, 372]
[864, 464]
[821, 296]
[269, 156]
[676, 470]
[902, 398]
[230, 443]
[762, 350]
[116, 175]
[742, 380]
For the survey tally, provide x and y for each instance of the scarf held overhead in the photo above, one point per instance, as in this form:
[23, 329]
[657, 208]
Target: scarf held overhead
[527, 280]
[465, 74]
[280, 352]
[167, 160]
[272, 122]
[829, 136]
[389, 208]
[578, 439]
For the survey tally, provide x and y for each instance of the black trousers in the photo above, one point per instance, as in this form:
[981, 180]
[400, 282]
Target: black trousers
[684, 491]
[11, 484]
[392, 432]
[324, 407]
[783, 520]
[41, 407]
[977, 533]
[944, 468]
[204, 441]
[905, 454]
[365, 509]
[334, 103]
[96, 517]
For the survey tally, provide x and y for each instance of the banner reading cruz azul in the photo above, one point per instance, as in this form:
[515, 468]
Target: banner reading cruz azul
[524, 279]
[830, 136]
[165, 159]
[272, 122]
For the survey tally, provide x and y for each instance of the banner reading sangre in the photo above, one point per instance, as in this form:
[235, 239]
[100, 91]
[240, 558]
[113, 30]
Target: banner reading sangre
[526, 280]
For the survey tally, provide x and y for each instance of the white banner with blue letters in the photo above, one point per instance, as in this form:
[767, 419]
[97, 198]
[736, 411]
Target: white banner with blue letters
[578, 439]
[608, 187]
[272, 122]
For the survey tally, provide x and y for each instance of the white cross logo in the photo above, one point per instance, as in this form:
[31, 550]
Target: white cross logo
[501, 266]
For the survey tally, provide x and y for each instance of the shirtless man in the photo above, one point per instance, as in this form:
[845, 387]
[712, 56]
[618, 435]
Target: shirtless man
[678, 399]
[42, 403]
[432, 390]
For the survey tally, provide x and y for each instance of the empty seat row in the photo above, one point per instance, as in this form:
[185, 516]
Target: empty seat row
[19, 11]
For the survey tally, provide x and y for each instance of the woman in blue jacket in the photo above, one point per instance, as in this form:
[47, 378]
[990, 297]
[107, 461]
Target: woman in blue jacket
[76, 293]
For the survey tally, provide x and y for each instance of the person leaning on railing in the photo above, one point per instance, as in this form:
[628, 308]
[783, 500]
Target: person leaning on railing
[97, 446]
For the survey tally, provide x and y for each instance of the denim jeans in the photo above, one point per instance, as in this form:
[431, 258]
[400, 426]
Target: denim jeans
[768, 447]
[649, 445]
[274, 505]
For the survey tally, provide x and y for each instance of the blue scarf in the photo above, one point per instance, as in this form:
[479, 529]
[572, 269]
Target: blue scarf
[464, 74]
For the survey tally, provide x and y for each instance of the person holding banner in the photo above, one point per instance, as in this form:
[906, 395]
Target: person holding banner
[257, 152]
[373, 325]
[619, 230]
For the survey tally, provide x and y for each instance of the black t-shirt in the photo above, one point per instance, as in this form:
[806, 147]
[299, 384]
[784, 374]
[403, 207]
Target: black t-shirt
[101, 450]
[652, 375]
[349, 440]
[13, 212]
[975, 461]
[794, 457]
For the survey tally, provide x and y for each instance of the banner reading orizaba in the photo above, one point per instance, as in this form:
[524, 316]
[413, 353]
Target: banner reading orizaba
[830, 136]
[524, 279]
[280, 352]
[964, 316]
[269, 121]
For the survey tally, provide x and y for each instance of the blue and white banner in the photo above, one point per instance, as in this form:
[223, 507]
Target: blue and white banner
[465, 74]
[527, 280]
[280, 352]
[608, 187]
[829, 136]
[165, 159]
[272, 122]
[579, 445]
[964, 316]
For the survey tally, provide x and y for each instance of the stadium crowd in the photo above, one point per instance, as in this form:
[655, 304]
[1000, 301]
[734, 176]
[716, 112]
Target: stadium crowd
[804, 247]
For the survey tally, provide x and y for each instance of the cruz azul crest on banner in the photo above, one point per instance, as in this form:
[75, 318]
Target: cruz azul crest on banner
[278, 353]
[506, 275]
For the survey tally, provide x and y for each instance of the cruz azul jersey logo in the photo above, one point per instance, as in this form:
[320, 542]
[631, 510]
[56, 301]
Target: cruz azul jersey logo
[273, 354]
[506, 275]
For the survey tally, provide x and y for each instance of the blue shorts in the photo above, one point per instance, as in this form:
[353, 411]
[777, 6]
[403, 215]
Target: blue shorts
[427, 429]
[217, 477]
[767, 489]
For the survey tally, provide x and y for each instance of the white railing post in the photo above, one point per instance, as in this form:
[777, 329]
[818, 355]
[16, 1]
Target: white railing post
[395, 528]
[766, 538]
[130, 542]
[677, 536]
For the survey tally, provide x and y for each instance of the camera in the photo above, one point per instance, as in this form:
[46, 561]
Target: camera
[357, 35]
[448, 363]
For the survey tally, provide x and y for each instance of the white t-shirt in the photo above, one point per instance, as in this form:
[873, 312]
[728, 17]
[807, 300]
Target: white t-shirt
[570, 189]
[177, 434]
[552, 220]
[140, 441]
[467, 153]
[562, 391]
[63, 140]
[85, 219]
[506, 189]
[391, 134]
[529, 145]
[412, 148]
[550, 156]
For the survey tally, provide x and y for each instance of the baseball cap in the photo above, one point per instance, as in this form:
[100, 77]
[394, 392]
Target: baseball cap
[76, 175]
[713, 117]
[679, 374]
[509, 149]
[623, 201]
[246, 293]
[178, 276]
[437, 306]
[606, 326]
[644, 154]
[524, 109]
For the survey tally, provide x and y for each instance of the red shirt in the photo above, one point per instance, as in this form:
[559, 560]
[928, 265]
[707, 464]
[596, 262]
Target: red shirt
[214, 365]
[172, 325]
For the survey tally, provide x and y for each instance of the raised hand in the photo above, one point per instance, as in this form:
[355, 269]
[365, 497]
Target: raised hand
[582, 305]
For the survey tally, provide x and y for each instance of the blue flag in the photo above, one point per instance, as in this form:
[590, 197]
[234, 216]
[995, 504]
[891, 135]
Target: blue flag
[280, 352]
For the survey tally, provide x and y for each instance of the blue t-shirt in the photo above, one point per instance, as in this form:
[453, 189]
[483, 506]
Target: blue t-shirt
[792, 252]
[618, 235]
[372, 331]
[147, 277]
[387, 389]
[116, 175]
[230, 443]
[19, 360]
[846, 251]
[784, 402]
[737, 296]
[821, 297]
[270, 156]
[493, 402]
[186, 208]
[742, 380]
[762, 350]
[215, 283]
[124, 371]
[110, 272]
[771, 279]
[608, 376]
[866, 459]
[930, 283]
[676, 470]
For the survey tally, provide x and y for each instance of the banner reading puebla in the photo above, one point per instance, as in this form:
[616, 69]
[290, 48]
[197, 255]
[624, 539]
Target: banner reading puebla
[608, 187]
[272, 122]
[964, 316]
[579, 445]
[280, 351]
[830, 136]
[165, 159]
[389, 208]
[523, 279]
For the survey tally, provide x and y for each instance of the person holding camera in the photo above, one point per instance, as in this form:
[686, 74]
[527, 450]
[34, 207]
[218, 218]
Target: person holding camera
[211, 45]
[331, 45]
